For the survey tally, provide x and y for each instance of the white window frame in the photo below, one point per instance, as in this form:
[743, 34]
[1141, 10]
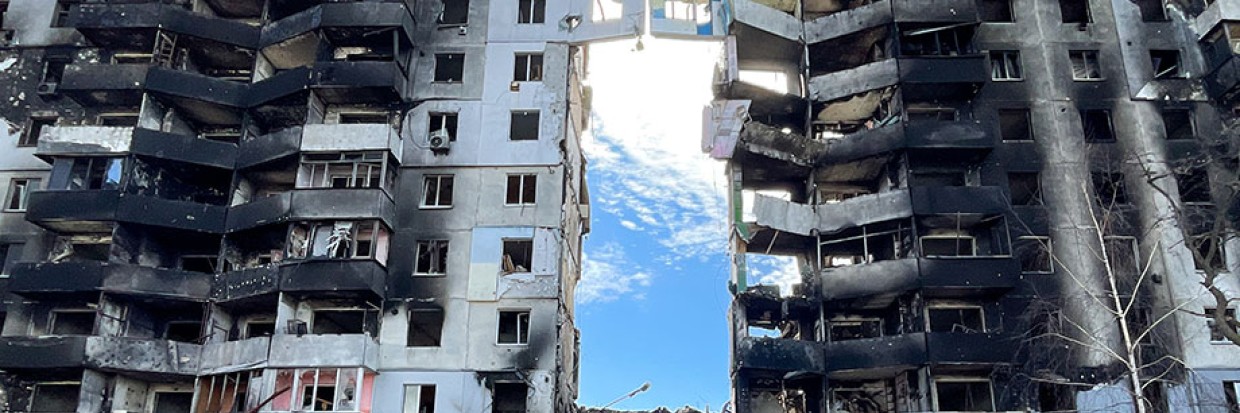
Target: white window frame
[20, 187]
[439, 180]
[299, 388]
[443, 123]
[416, 401]
[529, 66]
[1087, 56]
[443, 266]
[521, 201]
[961, 379]
[499, 318]
[533, 7]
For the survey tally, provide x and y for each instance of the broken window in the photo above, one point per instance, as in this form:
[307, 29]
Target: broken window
[34, 128]
[1096, 125]
[454, 12]
[339, 240]
[1210, 252]
[1025, 188]
[531, 11]
[955, 319]
[864, 397]
[55, 397]
[91, 173]
[226, 393]
[19, 193]
[1194, 186]
[996, 11]
[437, 191]
[508, 398]
[1152, 10]
[419, 398]
[186, 331]
[345, 171]
[1035, 256]
[321, 389]
[963, 395]
[518, 255]
[54, 70]
[1085, 65]
[1075, 11]
[1005, 65]
[173, 402]
[521, 189]
[1015, 125]
[425, 327]
[76, 248]
[840, 330]
[443, 124]
[514, 327]
[432, 257]
[1122, 255]
[951, 40]
[524, 126]
[72, 323]
[1178, 124]
[263, 328]
[450, 67]
[949, 245]
[1166, 64]
[528, 68]
[1110, 189]
[342, 321]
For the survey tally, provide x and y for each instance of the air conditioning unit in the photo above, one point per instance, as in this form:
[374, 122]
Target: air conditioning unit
[47, 88]
[440, 141]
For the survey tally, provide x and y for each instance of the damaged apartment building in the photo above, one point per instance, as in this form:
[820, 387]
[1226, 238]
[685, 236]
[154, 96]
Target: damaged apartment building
[227, 206]
[947, 176]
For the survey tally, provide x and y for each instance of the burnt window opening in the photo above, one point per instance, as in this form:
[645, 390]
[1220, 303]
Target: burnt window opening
[524, 125]
[437, 191]
[1122, 255]
[531, 11]
[185, 331]
[937, 41]
[1005, 65]
[518, 255]
[997, 11]
[1166, 64]
[930, 112]
[79, 248]
[528, 67]
[450, 67]
[226, 135]
[264, 328]
[1085, 65]
[1025, 188]
[55, 397]
[963, 395]
[521, 189]
[200, 263]
[955, 319]
[1053, 397]
[425, 328]
[118, 119]
[455, 12]
[1096, 125]
[19, 193]
[432, 257]
[443, 124]
[173, 402]
[1210, 252]
[1109, 188]
[54, 70]
[341, 240]
[949, 245]
[1155, 398]
[514, 327]
[1034, 253]
[419, 398]
[343, 321]
[1015, 125]
[1140, 319]
[1152, 10]
[346, 171]
[1194, 186]
[508, 398]
[63, 10]
[356, 118]
[1178, 124]
[1075, 11]
[34, 128]
[840, 330]
[88, 173]
[72, 323]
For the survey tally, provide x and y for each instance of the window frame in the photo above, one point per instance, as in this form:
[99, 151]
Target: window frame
[419, 390]
[962, 379]
[1049, 248]
[504, 246]
[448, 121]
[1175, 54]
[1026, 113]
[438, 246]
[981, 313]
[1087, 57]
[22, 195]
[523, 179]
[435, 75]
[512, 125]
[439, 180]
[315, 171]
[1087, 122]
[34, 128]
[1006, 60]
[957, 237]
[534, 67]
[409, 333]
[537, 12]
[520, 341]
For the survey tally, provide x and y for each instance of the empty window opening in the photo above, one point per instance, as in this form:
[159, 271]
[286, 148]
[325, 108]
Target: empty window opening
[226, 135]
[1085, 65]
[955, 319]
[353, 118]
[186, 331]
[425, 328]
[450, 67]
[54, 70]
[524, 125]
[1035, 256]
[1155, 398]
[200, 263]
[345, 171]
[841, 330]
[518, 255]
[1015, 125]
[55, 397]
[508, 398]
[1178, 124]
[260, 328]
[1096, 125]
[1166, 64]
[963, 395]
[949, 245]
[1005, 65]
[226, 393]
[340, 321]
[521, 189]
[122, 58]
[531, 11]
[72, 322]
[454, 12]
[173, 402]
[19, 193]
[419, 398]
[937, 41]
[92, 173]
[528, 68]
[437, 191]
[1210, 252]
[118, 119]
[432, 257]
[63, 10]
[1194, 186]
[1075, 11]
[1140, 321]
[514, 327]
[1025, 187]
[996, 11]
[1110, 188]
[443, 124]
[1122, 255]
[34, 128]
[1152, 10]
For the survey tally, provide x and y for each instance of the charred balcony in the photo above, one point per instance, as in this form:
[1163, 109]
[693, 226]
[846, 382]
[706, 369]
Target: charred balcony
[87, 210]
[176, 195]
[105, 84]
[140, 356]
[343, 19]
[346, 258]
[184, 148]
[306, 204]
[778, 354]
[872, 358]
[84, 140]
[335, 82]
[863, 209]
[928, 60]
[87, 278]
[115, 25]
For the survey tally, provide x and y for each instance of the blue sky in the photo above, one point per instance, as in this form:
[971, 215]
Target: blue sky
[652, 303]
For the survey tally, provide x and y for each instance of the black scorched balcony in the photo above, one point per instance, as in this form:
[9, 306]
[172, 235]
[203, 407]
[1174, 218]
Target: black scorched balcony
[105, 85]
[115, 354]
[946, 277]
[168, 213]
[1224, 82]
[920, 78]
[183, 148]
[68, 210]
[961, 137]
[778, 354]
[317, 276]
[803, 219]
[114, 25]
[313, 204]
[335, 82]
[368, 16]
[87, 278]
[883, 356]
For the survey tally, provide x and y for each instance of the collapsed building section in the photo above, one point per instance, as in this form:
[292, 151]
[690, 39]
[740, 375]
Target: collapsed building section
[918, 161]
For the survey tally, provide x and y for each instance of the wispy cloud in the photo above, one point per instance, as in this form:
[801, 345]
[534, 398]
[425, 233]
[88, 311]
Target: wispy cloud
[608, 274]
[775, 270]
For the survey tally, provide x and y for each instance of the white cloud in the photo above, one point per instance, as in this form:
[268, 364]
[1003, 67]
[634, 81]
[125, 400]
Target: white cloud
[607, 274]
[632, 226]
[775, 270]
